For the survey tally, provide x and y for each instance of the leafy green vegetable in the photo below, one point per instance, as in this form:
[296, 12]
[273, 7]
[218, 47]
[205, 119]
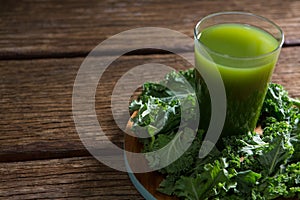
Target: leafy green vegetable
[204, 185]
[168, 184]
[279, 105]
[159, 109]
[286, 183]
[247, 180]
[250, 167]
[272, 149]
[279, 148]
[176, 144]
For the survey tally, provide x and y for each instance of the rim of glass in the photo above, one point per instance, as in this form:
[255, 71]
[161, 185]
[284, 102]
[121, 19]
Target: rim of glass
[280, 43]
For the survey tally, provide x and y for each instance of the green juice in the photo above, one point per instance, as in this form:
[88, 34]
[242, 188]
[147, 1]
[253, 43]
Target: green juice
[245, 57]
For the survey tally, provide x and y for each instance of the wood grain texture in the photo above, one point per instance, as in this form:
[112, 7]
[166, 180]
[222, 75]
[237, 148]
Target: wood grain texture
[69, 178]
[36, 29]
[41, 154]
[36, 106]
[36, 102]
[287, 71]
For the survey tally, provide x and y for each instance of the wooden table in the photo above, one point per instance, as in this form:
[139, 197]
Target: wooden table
[42, 45]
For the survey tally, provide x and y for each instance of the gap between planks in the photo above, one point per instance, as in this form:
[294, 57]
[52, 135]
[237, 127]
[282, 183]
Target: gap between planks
[82, 54]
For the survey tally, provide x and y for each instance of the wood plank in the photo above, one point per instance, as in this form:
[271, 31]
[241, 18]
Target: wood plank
[70, 178]
[36, 102]
[287, 71]
[36, 110]
[31, 28]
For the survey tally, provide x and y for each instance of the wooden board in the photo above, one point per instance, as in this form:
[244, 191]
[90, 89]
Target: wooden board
[36, 105]
[68, 178]
[37, 29]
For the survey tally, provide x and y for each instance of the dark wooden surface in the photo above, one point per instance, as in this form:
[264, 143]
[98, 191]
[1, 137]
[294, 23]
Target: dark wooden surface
[43, 43]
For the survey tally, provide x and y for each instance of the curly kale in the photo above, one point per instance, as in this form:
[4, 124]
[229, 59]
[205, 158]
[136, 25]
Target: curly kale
[279, 105]
[251, 166]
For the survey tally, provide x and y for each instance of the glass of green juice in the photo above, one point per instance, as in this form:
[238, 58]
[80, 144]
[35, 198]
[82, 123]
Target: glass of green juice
[244, 48]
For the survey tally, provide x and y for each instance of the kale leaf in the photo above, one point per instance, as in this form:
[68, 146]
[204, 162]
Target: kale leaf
[279, 105]
[206, 184]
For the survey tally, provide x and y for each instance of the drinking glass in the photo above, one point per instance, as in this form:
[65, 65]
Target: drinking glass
[244, 48]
